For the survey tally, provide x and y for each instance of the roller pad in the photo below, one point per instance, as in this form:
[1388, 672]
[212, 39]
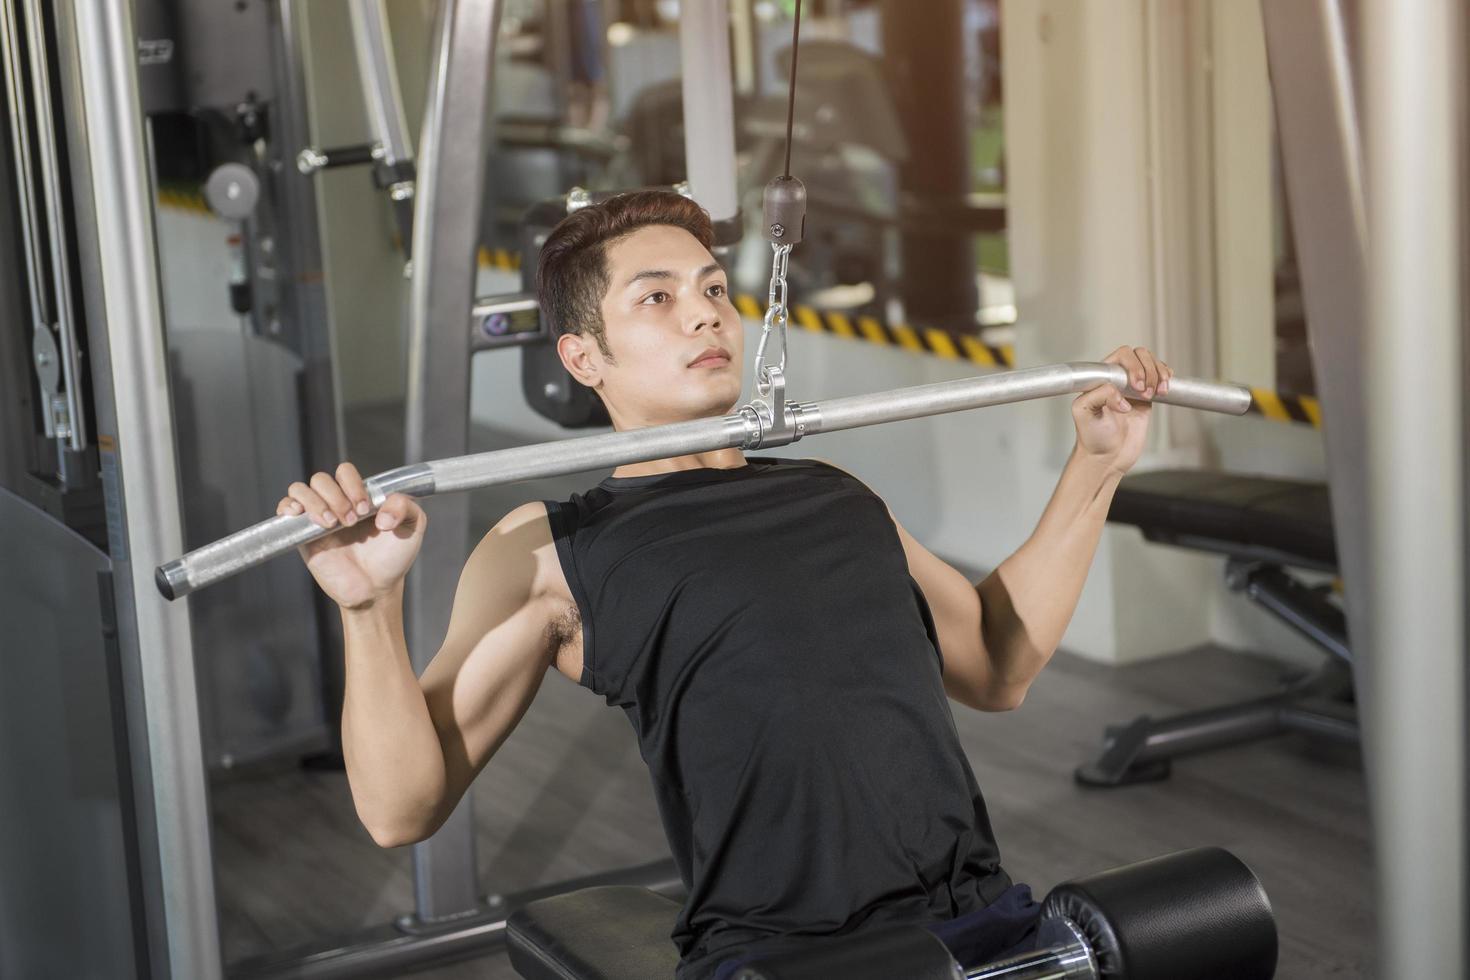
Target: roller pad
[911, 952]
[1199, 914]
[613, 932]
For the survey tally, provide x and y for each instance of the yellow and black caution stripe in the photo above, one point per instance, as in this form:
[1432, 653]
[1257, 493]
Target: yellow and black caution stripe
[1269, 404]
[1286, 408]
[919, 340]
[182, 199]
[499, 258]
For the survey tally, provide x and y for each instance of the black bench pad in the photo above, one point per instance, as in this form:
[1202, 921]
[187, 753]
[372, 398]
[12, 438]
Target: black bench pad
[612, 932]
[1289, 521]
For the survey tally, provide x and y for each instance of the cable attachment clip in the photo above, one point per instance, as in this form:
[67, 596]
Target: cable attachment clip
[771, 420]
[777, 422]
[769, 409]
[783, 209]
[775, 318]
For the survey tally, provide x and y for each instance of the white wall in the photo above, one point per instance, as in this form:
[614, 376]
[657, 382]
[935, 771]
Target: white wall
[1090, 276]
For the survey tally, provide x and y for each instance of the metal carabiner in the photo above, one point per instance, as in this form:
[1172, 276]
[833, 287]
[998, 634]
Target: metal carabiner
[776, 316]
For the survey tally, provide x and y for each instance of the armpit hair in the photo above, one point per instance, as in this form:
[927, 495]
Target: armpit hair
[564, 628]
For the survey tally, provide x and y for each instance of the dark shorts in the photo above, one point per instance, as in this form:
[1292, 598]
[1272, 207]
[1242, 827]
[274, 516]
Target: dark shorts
[1006, 927]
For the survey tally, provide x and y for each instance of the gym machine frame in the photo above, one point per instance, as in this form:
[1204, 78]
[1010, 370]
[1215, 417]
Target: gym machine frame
[1317, 114]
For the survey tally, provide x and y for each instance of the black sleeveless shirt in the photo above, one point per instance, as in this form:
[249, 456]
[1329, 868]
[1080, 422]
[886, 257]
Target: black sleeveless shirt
[780, 667]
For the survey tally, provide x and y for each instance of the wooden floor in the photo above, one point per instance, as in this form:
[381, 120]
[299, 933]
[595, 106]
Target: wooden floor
[567, 795]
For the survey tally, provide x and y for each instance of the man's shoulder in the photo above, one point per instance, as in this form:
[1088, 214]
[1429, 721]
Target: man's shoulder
[521, 546]
[527, 516]
[811, 464]
[840, 471]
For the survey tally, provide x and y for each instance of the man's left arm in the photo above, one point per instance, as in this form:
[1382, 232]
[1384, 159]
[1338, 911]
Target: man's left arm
[998, 635]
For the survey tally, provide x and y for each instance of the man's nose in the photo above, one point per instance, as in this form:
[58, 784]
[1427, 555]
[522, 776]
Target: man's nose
[703, 312]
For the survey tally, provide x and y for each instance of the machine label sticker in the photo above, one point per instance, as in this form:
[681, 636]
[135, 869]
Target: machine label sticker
[155, 52]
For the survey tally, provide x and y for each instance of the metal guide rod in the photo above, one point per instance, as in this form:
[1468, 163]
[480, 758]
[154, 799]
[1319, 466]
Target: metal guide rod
[748, 428]
[54, 363]
[49, 158]
[20, 138]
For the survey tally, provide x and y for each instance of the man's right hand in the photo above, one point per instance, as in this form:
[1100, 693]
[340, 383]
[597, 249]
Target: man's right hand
[367, 559]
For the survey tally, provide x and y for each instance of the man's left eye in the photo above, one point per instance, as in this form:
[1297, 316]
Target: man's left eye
[717, 290]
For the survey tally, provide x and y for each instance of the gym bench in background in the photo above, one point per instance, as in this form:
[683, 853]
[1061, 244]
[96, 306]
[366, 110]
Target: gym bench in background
[1263, 527]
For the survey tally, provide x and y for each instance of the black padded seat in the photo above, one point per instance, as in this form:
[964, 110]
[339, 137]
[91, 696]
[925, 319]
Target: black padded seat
[612, 932]
[1288, 521]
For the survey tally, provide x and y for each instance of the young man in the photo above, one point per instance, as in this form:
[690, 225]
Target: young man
[782, 647]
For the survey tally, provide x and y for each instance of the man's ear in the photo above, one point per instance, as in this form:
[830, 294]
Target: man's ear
[576, 356]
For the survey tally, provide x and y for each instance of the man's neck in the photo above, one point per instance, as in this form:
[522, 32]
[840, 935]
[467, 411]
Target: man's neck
[719, 459]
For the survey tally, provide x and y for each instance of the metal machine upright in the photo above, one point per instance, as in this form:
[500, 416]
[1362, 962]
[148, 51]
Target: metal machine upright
[709, 113]
[1413, 85]
[97, 45]
[1409, 685]
[446, 237]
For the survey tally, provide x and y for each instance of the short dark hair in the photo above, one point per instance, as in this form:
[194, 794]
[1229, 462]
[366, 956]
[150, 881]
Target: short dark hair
[572, 277]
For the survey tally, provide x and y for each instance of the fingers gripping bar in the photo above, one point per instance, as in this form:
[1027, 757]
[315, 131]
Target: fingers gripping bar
[748, 428]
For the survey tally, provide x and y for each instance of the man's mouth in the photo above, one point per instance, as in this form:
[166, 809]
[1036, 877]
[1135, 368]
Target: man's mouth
[712, 359]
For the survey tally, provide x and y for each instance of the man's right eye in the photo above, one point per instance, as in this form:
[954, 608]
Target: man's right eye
[657, 297]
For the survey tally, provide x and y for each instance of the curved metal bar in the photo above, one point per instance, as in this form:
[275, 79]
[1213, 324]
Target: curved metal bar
[1015, 386]
[742, 429]
[379, 75]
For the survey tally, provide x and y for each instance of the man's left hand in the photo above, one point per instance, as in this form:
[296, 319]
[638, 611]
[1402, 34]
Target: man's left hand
[1111, 428]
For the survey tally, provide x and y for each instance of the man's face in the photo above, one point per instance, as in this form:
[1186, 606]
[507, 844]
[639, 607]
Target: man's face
[667, 306]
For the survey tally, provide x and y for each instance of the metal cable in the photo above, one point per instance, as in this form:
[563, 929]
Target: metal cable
[791, 87]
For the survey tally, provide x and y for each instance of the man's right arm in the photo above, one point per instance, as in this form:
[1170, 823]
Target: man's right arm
[414, 745]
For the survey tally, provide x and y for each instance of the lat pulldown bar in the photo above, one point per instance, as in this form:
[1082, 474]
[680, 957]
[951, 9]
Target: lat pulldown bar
[761, 424]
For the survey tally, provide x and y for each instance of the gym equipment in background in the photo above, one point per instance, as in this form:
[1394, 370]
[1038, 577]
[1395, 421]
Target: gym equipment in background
[1264, 527]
